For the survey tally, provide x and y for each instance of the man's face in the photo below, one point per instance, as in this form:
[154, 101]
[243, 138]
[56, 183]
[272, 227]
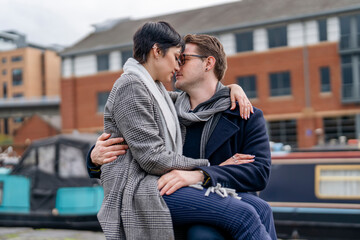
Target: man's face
[191, 73]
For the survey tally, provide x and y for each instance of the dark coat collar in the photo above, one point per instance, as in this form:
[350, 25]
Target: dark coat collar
[224, 130]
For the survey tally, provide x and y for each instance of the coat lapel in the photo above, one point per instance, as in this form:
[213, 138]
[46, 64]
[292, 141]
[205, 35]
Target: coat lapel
[224, 130]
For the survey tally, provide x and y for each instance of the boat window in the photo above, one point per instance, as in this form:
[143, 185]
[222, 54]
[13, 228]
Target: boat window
[47, 158]
[71, 162]
[337, 181]
[1, 192]
[30, 158]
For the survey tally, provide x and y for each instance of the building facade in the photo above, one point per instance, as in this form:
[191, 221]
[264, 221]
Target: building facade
[297, 60]
[27, 72]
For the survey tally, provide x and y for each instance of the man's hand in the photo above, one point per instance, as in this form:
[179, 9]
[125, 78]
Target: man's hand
[176, 179]
[106, 150]
[238, 94]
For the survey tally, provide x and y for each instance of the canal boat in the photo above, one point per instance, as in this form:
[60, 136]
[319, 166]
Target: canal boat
[50, 187]
[315, 194]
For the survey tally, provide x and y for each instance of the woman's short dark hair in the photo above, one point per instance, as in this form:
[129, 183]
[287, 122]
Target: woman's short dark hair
[160, 33]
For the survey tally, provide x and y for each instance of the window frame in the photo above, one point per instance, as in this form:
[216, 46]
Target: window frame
[318, 179]
[248, 43]
[248, 80]
[323, 85]
[277, 36]
[280, 81]
[102, 62]
[97, 100]
[322, 28]
[15, 82]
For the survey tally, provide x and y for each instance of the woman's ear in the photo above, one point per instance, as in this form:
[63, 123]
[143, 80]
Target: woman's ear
[210, 63]
[156, 51]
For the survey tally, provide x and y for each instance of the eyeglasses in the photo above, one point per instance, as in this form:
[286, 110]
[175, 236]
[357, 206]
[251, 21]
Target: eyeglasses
[181, 60]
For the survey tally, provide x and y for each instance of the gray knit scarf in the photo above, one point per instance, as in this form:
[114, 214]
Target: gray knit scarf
[208, 111]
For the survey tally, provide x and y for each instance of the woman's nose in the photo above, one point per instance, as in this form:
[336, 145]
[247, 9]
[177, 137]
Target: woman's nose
[177, 67]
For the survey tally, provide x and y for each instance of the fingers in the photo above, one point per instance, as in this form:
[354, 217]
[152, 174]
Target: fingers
[111, 159]
[174, 188]
[113, 148]
[113, 141]
[243, 162]
[172, 184]
[233, 104]
[240, 156]
[243, 109]
[104, 136]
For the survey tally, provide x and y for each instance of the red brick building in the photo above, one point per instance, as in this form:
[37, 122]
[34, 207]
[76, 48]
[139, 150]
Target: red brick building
[297, 61]
[33, 128]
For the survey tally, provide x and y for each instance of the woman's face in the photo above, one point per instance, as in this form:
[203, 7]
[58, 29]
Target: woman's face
[168, 64]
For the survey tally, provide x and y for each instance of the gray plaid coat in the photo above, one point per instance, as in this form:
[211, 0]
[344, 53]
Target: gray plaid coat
[132, 207]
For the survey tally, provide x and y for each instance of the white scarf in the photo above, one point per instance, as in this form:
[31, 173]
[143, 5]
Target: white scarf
[164, 102]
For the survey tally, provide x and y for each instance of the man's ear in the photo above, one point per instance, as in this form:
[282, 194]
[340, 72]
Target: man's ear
[210, 63]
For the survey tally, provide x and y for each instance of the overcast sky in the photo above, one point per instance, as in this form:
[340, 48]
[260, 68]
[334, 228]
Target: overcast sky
[65, 22]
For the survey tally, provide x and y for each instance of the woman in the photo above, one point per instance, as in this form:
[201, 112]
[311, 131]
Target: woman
[140, 110]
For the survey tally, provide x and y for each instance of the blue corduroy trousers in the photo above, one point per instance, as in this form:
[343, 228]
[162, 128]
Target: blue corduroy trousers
[248, 218]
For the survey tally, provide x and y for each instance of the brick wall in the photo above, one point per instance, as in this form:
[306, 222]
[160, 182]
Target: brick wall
[79, 95]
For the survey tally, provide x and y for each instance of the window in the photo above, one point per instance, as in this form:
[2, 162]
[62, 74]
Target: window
[345, 32]
[3, 60]
[4, 72]
[102, 62]
[46, 158]
[17, 77]
[322, 30]
[16, 59]
[277, 36]
[18, 119]
[6, 126]
[71, 162]
[350, 66]
[283, 131]
[280, 84]
[1, 191]
[125, 55]
[248, 83]
[350, 32]
[4, 90]
[244, 41]
[18, 95]
[102, 99]
[325, 79]
[334, 127]
[337, 181]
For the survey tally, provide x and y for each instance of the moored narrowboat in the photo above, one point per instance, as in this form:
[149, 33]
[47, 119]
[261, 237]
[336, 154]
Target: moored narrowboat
[315, 194]
[50, 187]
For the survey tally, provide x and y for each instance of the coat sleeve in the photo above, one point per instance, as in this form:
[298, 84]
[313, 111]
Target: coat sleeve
[93, 170]
[249, 177]
[134, 115]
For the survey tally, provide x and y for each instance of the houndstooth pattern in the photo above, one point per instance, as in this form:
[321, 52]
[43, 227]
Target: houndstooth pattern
[132, 207]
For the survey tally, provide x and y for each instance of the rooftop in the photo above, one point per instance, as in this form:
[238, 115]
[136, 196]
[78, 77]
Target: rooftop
[215, 19]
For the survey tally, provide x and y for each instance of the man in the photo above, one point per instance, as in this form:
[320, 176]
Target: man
[214, 132]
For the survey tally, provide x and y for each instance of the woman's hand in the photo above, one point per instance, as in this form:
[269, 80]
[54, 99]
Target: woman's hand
[107, 150]
[237, 94]
[238, 159]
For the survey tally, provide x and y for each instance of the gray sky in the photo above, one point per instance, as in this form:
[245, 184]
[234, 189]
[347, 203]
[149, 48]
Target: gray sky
[67, 21]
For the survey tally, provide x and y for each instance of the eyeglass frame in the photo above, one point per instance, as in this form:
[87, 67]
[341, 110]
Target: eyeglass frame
[181, 60]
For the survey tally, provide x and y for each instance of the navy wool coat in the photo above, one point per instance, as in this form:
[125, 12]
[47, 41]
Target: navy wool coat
[236, 135]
